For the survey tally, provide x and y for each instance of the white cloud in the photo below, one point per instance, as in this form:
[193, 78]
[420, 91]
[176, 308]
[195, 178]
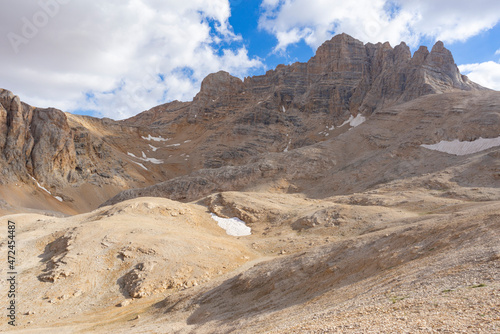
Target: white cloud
[315, 21]
[486, 74]
[497, 52]
[117, 57]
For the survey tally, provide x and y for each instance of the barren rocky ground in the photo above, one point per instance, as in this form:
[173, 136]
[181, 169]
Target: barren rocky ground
[420, 264]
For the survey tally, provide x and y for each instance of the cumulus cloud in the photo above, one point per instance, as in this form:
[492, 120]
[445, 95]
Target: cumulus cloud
[115, 57]
[315, 21]
[486, 74]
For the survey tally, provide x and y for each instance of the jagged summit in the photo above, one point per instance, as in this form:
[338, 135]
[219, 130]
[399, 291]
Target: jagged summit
[344, 77]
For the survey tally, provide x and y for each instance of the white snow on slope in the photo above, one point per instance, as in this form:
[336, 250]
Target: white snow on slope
[149, 137]
[457, 147]
[43, 188]
[346, 122]
[138, 163]
[354, 121]
[153, 160]
[233, 226]
[153, 148]
[358, 120]
[287, 146]
[39, 185]
[145, 158]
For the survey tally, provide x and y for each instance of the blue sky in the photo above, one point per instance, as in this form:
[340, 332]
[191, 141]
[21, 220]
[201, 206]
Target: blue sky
[120, 57]
[260, 43]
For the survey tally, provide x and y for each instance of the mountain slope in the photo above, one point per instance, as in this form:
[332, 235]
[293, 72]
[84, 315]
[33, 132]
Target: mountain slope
[385, 260]
[387, 147]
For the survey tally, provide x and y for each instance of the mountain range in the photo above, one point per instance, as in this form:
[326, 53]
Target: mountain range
[368, 176]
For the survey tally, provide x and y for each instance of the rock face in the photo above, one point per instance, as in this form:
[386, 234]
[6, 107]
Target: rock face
[53, 151]
[56, 152]
[347, 76]
[35, 142]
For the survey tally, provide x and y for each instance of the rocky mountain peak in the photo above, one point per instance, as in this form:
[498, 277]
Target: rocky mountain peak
[442, 59]
[442, 70]
[365, 176]
[340, 53]
[402, 53]
[219, 84]
[420, 55]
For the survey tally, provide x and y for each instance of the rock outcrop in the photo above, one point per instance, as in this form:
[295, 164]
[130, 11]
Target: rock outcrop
[55, 152]
[35, 142]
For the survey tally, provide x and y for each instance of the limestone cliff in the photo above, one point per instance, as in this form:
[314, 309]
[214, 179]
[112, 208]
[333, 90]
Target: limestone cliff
[35, 142]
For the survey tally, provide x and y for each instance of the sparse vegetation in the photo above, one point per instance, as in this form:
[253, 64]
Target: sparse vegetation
[396, 298]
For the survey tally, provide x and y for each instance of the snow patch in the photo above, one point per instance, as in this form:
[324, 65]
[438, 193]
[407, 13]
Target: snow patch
[283, 108]
[173, 145]
[145, 158]
[45, 189]
[358, 120]
[138, 163]
[153, 148]
[159, 138]
[233, 226]
[187, 141]
[40, 186]
[287, 146]
[346, 122]
[457, 147]
[355, 121]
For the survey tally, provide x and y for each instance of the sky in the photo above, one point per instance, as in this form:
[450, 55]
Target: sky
[116, 58]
